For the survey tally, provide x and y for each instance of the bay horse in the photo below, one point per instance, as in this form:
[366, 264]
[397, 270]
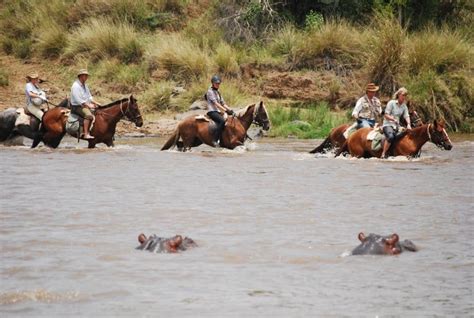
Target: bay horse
[193, 131]
[409, 143]
[106, 119]
[336, 138]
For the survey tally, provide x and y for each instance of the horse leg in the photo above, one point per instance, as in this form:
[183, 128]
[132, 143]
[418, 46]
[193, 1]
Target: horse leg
[92, 144]
[342, 150]
[326, 144]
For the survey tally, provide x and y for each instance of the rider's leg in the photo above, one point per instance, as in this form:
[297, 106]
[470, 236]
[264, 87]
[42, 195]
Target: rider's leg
[220, 122]
[390, 137]
[35, 111]
[88, 118]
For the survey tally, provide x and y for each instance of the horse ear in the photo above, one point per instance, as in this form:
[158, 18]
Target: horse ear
[261, 103]
[435, 124]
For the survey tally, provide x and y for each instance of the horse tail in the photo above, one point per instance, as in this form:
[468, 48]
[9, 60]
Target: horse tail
[343, 149]
[172, 140]
[323, 146]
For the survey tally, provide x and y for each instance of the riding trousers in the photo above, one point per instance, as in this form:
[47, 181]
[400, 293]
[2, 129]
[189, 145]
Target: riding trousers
[390, 133]
[220, 122]
[35, 111]
[84, 112]
[365, 123]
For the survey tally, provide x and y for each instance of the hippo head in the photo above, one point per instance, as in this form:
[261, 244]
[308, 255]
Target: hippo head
[378, 245]
[157, 244]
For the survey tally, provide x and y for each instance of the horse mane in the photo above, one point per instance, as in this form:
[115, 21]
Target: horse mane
[113, 103]
[244, 110]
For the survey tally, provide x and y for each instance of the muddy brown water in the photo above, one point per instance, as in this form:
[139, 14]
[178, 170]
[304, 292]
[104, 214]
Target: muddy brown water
[274, 226]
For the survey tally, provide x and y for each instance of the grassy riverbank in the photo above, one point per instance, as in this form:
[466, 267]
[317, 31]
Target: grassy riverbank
[164, 51]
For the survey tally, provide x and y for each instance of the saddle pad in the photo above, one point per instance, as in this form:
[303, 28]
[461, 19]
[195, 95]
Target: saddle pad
[350, 130]
[201, 117]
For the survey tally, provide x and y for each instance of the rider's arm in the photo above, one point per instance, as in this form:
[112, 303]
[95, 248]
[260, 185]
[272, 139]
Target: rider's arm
[358, 106]
[388, 112]
[407, 118]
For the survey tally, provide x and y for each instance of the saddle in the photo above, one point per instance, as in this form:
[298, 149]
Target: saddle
[378, 137]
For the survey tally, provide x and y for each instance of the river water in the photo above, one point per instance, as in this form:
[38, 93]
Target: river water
[274, 226]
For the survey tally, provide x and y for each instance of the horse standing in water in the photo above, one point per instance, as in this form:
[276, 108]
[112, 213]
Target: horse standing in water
[409, 143]
[106, 119]
[195, 131]
[336, 138]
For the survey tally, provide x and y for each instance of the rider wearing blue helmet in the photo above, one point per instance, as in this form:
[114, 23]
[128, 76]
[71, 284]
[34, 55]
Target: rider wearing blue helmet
[216, 104]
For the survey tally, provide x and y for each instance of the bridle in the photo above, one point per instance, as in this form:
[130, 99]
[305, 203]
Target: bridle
[258, 121]
[127, 114]
[445, 134]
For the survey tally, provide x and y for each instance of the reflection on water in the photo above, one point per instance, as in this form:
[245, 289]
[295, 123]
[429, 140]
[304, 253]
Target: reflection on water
[273, 225]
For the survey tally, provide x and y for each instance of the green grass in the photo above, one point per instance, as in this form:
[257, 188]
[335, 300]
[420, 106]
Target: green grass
[316, 121]
[3, 77]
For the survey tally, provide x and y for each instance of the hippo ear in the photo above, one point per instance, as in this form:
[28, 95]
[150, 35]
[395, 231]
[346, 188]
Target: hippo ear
[392, 240]
[361, 237]
[141, 238]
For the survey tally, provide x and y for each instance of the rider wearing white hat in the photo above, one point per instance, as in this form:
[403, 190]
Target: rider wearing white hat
[35, 96]
[82, 101]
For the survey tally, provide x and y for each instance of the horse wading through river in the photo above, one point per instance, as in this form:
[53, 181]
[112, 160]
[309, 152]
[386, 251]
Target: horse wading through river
[336, 137]
[106, 119]
[408, 143]
[196, 130]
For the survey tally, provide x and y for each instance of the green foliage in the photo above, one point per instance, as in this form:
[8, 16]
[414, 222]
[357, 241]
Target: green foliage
[51, 40]
[158, 97]
[121, 77]
[313, 122]
[226, 60]
[314, 20]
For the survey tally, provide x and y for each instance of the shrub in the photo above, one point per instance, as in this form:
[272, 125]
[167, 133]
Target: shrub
[183, 59]
[22, 48]
[158, 97]
[105, 38]
[51, 40]
[313, 122]
[337, 44]
[121, 77]
[226, 60]
[438, 50]
[384, 55]
[286, 42]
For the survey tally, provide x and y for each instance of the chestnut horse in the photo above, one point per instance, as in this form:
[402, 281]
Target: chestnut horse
[336, 137]
[106, 119]
[408, 143]
[195, 131]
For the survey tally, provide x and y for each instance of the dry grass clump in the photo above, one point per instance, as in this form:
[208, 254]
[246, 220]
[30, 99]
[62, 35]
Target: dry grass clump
[122, 78]
[286, 42]
[51, 39]
[225, 59]
[384, 54]
[104, 39]
[438, 50]
[184, 60]
[336, 44]
[158, 97]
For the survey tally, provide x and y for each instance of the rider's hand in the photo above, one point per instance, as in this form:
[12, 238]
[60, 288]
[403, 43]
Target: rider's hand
[230, 112]
[409, 127]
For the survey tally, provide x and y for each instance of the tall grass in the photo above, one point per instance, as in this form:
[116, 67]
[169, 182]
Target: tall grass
[51, 40]
[158, 97]
[307, 123]
[384, 54]
[439, 50]
[3, 77]
[121, 77]
[225, 59]
[104, 39]
[183, 59]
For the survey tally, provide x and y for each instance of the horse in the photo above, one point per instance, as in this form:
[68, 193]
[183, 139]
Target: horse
[16, 122]
[196, 130]
[408, 143]
[336, 138]
[106, 119]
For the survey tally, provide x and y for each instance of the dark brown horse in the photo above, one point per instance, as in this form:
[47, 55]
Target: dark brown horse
[407, 144]
[106, 119]
[336, 138]
[194, 131]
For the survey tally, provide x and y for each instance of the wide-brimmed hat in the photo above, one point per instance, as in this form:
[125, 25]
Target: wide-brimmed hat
[401, 90]
[32, 75]
[82, 72]
[371, 87]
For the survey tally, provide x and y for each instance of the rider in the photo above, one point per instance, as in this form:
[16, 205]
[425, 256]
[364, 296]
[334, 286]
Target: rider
[367, 108]
[35, 96]
[82, 101]
[396, 108]
[215, 103]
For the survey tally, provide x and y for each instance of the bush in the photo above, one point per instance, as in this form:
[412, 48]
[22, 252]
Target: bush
[286, 42]
[22, 48]
[384, 55]
[52, 40]
[105, 38]
[438, 50]
[336, 45]
[313, 122]
[184, 60]
[122, 78]
[226, 60]
[158, 97]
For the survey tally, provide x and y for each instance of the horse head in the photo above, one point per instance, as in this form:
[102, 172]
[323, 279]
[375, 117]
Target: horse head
[261, 117]
[437, 134]
[133, 113]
